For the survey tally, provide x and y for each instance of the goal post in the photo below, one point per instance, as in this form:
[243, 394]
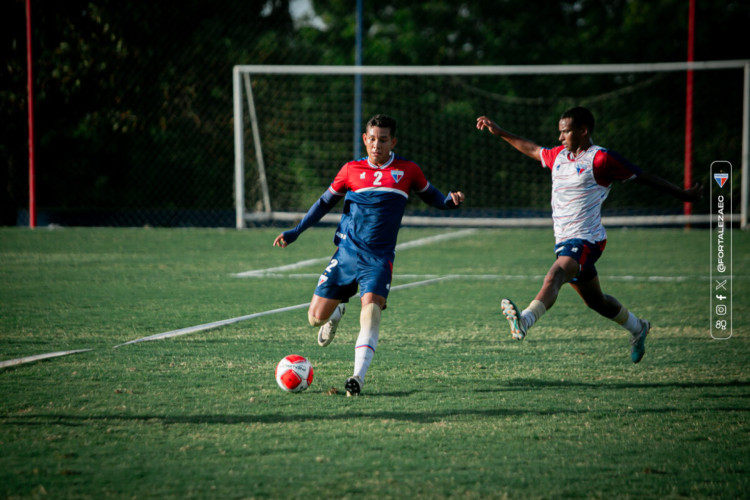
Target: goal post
[298, 120]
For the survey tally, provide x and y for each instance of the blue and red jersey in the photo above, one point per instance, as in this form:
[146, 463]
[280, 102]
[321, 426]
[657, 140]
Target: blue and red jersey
[375, 199]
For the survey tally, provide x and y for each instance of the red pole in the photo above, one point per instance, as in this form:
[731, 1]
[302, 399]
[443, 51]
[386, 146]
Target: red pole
[688, 208]
[30, 81]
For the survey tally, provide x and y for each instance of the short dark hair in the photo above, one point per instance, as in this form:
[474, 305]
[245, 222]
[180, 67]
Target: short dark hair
[581, 117]
[383, 121]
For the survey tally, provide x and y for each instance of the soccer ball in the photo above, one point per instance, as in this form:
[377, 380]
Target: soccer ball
[294, 373]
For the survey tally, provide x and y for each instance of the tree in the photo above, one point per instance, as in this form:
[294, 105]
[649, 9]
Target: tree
[133, 99]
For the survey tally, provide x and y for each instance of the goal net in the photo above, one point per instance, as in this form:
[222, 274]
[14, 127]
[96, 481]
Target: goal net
[295, 127]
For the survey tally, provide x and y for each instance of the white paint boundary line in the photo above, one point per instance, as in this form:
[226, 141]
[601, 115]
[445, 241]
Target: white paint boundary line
[402, 246]
[504, 277]
[303, 263]
[431, 279]
[38, 357]
[208, 326]
[435, 239]
[216, 324]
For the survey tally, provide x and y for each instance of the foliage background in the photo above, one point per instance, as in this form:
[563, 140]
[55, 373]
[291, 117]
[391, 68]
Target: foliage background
[133, 99]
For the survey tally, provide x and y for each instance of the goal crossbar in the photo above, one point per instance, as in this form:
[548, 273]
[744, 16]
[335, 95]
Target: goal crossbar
[242, 85]
[542, 69]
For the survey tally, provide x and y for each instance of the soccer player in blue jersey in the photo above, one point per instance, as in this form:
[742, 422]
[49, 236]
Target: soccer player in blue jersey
[375, 191]
[582, 175]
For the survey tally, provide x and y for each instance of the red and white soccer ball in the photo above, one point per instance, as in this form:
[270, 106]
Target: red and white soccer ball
[294, 373]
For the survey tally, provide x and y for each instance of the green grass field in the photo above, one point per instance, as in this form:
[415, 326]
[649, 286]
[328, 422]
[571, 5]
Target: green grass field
[452, 408]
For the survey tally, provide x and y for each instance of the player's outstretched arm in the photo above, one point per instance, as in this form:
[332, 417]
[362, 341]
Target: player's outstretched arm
[694, 193]
[434, 197]
[321, 207]
[525, 146]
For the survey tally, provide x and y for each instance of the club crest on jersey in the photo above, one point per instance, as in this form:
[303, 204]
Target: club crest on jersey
[397, 175]
[580, 168]
[323, 278]
[362, 175]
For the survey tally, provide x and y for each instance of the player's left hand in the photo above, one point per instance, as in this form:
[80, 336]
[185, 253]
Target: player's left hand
[457, 197]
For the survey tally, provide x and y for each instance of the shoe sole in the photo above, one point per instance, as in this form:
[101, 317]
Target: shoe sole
[637, 355]
[510, 311]
[352, 387]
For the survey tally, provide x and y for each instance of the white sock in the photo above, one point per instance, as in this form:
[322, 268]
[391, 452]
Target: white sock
[532, 313]
[629, 321]
[336, 314]
[367, 341]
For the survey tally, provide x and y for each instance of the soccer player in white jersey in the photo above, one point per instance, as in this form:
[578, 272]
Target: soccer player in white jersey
[375, 191]
[582, 175]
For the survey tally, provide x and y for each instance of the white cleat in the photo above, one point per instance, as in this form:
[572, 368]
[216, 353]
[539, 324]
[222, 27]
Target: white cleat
[327, 331]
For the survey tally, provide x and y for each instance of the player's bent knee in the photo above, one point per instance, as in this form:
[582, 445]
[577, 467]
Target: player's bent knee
[314, 320]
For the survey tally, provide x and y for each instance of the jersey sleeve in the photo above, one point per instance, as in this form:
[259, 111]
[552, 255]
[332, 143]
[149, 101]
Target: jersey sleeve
[321, 207]
[610, 167]
[548, 156]
[419, 182]
[435, 198]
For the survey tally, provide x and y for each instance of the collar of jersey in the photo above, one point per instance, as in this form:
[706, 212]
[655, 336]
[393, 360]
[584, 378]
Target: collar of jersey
[573, 157]
[386, 164]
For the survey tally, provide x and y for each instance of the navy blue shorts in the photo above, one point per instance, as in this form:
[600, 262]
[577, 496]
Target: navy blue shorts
[585, 252]
[349, 270]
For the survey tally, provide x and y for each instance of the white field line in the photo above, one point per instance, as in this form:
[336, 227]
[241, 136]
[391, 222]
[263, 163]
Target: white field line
[215, 324]
[500, 277]
[401, 246]
[425, 279]
[224, 322]
[38, 357]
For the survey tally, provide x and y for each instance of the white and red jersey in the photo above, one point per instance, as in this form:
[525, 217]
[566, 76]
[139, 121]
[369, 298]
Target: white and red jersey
[580, 184]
